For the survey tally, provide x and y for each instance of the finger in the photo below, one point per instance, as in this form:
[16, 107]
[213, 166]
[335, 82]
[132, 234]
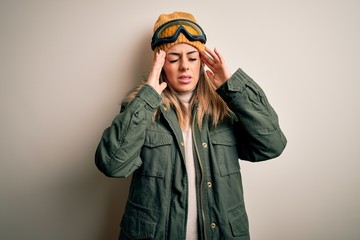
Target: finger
[156, 69]
[207, 60]
[162, 86]
[160, 58]
[212, 54]
[220, 57]
[159, 63]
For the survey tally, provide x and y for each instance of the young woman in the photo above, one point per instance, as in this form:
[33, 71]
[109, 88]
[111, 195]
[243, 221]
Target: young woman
[181, 134]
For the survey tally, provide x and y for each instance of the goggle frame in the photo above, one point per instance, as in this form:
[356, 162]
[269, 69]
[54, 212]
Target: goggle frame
[156, 40]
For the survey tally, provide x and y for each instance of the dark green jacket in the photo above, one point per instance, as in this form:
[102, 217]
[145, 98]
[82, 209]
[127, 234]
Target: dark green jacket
[153, 152]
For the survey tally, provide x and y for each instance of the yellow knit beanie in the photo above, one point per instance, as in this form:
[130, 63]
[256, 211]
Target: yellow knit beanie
[163, 18]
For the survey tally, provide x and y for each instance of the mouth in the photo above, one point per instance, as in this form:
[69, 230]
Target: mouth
[184, 79]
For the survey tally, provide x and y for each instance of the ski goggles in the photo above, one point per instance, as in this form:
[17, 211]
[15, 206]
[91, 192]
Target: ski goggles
[191, 30]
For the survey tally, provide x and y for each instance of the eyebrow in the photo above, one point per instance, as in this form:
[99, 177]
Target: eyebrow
[178, 54]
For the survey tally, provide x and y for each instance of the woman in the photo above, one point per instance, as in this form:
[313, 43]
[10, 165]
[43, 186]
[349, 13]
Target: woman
[181, 134]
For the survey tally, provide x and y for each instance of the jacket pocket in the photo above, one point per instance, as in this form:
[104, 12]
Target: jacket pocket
[138, 223]
[225, 151]
[155, 154]
[238, 221]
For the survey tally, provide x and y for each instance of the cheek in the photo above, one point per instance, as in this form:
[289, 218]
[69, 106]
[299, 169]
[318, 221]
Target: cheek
[168, 78]
[169, 71]
[198, 71]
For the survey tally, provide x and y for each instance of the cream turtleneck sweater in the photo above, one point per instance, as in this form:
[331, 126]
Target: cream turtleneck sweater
[192, 221]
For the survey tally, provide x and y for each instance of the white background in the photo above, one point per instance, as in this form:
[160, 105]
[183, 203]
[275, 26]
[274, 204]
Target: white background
[66, 65]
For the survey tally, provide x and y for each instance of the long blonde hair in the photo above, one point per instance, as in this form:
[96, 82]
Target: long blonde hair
[209, 103]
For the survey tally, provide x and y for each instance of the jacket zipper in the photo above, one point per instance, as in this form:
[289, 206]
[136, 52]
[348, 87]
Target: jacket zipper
[201, 181]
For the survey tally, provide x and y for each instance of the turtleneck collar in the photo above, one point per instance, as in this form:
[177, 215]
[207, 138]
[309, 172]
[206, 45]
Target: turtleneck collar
[185, 97]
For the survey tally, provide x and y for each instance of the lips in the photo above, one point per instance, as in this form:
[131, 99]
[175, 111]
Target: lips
[185, 79]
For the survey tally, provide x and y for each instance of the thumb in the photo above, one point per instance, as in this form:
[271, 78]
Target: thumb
[210, 74]
[162, 87]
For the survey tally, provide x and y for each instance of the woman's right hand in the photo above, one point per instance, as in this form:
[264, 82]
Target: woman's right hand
[154, 76]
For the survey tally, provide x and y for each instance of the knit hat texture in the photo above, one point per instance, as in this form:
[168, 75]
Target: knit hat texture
[163, 18]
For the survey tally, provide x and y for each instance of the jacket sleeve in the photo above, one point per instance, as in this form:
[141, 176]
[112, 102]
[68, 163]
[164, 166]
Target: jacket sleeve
[257, 126]
[118, 153]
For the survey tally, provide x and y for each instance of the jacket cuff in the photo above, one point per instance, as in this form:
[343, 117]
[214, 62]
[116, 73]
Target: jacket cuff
[150, 96]
[234, 85]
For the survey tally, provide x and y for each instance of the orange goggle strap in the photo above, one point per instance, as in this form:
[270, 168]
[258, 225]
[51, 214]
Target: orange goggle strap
[158, 40]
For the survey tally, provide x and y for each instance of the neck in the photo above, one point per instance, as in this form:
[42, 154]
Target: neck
[185, 99]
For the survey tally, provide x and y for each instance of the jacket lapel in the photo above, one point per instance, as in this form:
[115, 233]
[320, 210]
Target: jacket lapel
[171, 118]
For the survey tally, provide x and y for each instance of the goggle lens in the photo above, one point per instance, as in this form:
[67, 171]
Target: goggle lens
[190, 29]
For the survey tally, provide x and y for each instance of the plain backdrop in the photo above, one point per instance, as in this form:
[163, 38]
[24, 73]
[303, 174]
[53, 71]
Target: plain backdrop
[66, 65]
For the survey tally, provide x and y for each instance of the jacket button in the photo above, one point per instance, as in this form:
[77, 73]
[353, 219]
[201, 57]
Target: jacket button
[182, 143]
[165, 109]
[213, 225]
[209, 184]
[204, 144]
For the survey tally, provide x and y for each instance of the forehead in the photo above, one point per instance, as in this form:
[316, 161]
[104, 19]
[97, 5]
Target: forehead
[181, 48]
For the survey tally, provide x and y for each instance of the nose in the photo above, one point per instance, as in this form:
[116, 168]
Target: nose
[183, 65]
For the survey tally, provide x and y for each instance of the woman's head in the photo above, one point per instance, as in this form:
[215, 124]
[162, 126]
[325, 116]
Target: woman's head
[182, 39]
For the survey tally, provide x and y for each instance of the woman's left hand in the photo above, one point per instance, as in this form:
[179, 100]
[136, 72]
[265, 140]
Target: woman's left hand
[219, 72]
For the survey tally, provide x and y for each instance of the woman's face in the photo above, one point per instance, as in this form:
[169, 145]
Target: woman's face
[182, 67]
